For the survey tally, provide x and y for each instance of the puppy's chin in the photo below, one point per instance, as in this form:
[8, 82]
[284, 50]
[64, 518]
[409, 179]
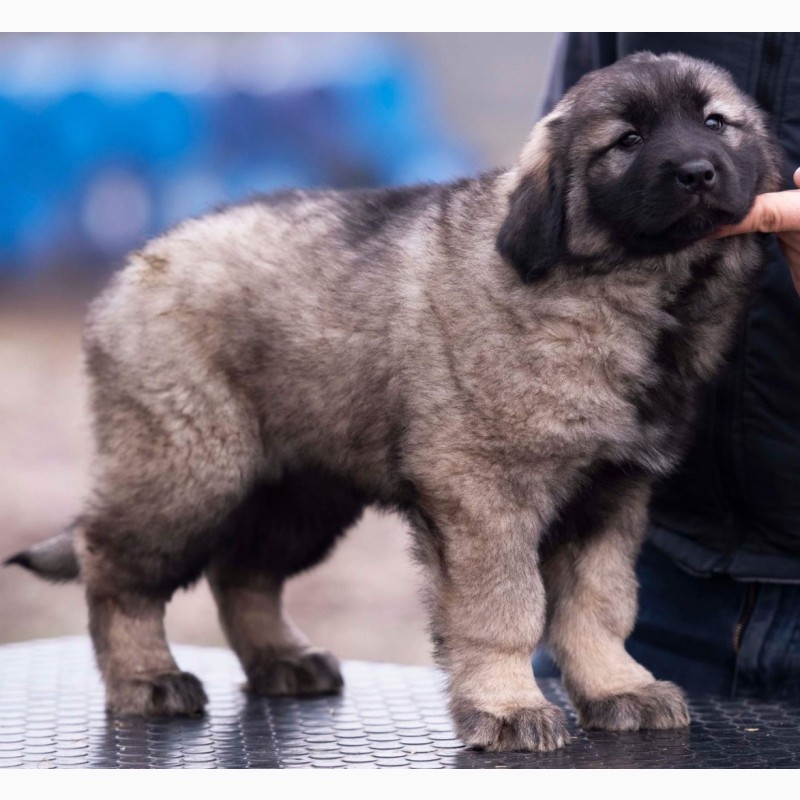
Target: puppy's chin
[698, 223]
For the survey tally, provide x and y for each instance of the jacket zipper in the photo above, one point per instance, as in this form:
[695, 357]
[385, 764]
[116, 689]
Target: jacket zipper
[747, 612]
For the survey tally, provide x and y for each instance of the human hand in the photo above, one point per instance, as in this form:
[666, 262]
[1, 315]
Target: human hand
[776, 212]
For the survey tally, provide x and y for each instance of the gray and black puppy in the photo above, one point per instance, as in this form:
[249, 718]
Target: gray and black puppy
[510, 361]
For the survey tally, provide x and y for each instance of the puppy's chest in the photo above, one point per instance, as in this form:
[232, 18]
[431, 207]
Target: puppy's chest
[600, 382]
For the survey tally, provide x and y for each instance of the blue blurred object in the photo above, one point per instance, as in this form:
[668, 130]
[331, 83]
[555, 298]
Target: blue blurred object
[107, 140]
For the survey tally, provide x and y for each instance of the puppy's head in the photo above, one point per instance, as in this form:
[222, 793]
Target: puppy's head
[642, 158]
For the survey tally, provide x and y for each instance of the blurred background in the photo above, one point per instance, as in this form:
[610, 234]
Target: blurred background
[106, 140]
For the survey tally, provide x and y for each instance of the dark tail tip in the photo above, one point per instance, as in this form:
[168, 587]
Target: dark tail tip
[20, 559]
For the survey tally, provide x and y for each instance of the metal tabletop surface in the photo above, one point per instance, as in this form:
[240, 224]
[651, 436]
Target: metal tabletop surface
[52, 715]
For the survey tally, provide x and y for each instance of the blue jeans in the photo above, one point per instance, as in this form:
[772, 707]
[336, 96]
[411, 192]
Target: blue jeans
[712, 635]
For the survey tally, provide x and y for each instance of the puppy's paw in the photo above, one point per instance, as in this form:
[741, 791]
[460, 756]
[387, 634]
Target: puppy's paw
[539, 729]
[169, 694]
[660, 704]
[306, 673]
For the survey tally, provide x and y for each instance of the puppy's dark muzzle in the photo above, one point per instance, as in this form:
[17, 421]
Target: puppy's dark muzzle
[696, 176]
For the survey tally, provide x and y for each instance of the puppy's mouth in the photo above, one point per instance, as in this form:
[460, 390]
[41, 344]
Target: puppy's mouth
[698, 218]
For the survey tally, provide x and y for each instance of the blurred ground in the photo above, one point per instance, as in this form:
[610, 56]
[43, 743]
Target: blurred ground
[364, 601]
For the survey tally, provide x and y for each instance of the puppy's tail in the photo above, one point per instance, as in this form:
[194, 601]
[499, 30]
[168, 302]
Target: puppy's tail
[54, 559]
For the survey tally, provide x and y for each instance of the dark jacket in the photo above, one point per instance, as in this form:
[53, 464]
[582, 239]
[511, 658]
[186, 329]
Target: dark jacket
[734, 505]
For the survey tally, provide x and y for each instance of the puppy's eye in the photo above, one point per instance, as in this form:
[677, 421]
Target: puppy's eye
[630, 139]
[715, 122]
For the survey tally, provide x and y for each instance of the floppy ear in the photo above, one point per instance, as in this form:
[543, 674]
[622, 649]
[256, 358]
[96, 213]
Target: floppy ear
[531, 235]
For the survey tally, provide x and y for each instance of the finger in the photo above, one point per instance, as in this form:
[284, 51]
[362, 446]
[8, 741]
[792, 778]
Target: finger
[771, 213]
[797, 177]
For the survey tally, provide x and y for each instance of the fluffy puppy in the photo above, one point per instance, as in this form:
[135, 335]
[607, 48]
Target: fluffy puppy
[510, 361]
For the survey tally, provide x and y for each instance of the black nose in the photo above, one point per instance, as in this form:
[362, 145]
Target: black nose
[696, 176]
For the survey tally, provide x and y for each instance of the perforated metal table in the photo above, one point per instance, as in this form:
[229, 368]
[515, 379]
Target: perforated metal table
[52, 715]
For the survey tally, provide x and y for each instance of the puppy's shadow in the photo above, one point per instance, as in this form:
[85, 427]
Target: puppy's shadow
[594, 750]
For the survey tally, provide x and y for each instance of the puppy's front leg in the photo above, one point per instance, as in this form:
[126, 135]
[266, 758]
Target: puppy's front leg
[487, 615]
[591, 590]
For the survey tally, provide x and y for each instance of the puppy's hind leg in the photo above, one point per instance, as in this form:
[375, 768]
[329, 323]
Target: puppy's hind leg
[591, 592]
[279, 530]
[133, 557]
[140, 674]
[276, 657]
[169, 469]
